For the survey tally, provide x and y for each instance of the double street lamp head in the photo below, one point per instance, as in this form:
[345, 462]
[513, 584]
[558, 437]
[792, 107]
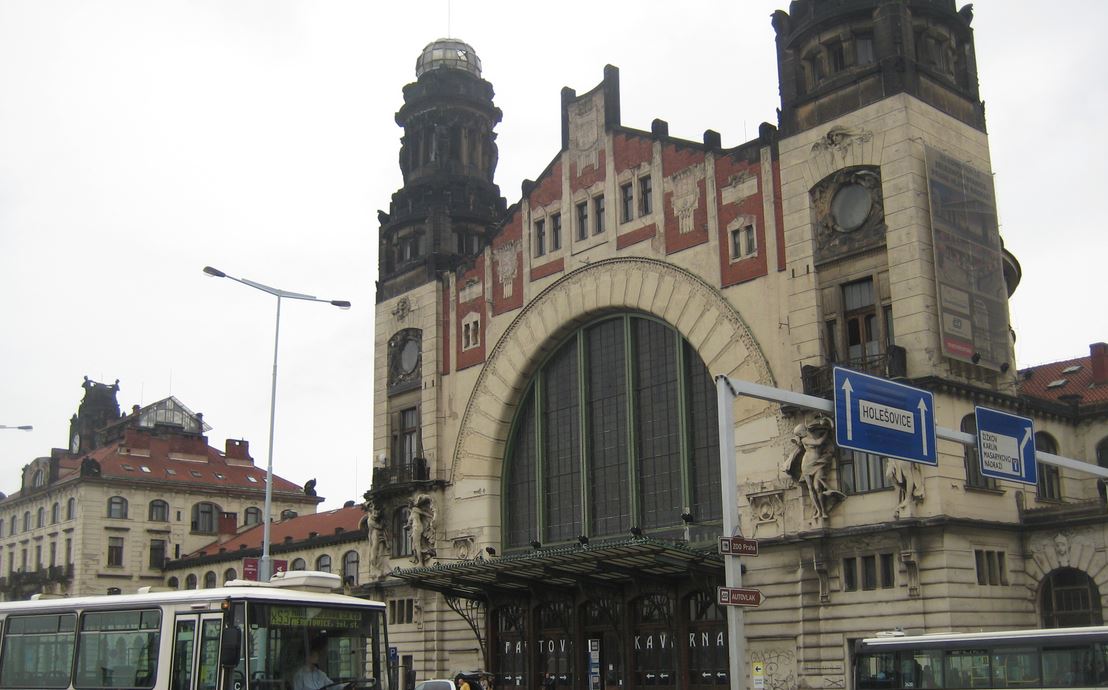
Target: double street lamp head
[21, 427]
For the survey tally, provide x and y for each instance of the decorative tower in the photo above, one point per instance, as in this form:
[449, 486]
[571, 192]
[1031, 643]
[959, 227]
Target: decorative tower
[442, 215]
[98, 409]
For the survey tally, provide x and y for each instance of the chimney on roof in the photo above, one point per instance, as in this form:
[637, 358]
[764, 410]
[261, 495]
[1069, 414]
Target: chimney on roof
[237, 449]
[1098, 353]
[228, 526]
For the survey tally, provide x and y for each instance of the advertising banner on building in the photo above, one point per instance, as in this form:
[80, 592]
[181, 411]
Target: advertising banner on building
[969, 270]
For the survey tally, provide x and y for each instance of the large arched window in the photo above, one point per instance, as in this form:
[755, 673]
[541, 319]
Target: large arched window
[617, 429]
[298, 564]
[204, 517]
[159, 511]
[1050, 481]
[1069, 598]
[350, 568]
[190, 581]
[323, 564]
[209, 580]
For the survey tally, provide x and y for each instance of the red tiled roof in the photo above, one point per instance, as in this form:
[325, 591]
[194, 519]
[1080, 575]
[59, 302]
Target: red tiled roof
[1059, 380]
[298, 528]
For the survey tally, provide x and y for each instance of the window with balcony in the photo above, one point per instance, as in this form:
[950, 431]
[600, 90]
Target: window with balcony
[406, 437]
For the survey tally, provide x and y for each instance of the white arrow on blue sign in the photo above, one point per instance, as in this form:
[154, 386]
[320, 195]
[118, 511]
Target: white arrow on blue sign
[882, 417]
[1006, 444]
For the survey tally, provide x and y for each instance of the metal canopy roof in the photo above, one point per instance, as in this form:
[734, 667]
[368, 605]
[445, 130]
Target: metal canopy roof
[606, 565]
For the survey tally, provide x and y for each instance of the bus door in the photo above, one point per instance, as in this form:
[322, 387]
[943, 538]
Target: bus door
[196, 651]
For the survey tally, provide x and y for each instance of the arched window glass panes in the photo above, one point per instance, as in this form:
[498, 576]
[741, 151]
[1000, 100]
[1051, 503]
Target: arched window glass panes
[618, 425]
[40, 517]
[298, 564]
[1069, 599]
[173, 583]
[209, 580]
[159, 511]
[1050, 481]
[350, 568]
[39, 478]
[26, 520]
[12, 526]
[230, 574]
[117, 507]
[71, 509]
[190, 581]
[55, 513]
[204, 517]
[323, 563]
[972, 460]
[252, 516]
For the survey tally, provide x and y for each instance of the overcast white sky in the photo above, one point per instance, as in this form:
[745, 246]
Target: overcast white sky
[140, 141]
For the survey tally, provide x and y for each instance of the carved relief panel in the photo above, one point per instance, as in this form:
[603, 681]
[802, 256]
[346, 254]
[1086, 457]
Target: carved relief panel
[849, 213]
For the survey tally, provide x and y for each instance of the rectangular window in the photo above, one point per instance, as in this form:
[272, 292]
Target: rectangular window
[646, 200]
[863, 49]
[401, 611]
[992, 567]
[831, 331]
[744, 243]
[157, 553]
[887, 571]
[53, 553]
[540, 237]
[626, 202]
[869, 572]
[850, 575]
[598, 214]
[68, 551]
[115, 551]
[406, 436]
[861, 472]
[583, 220]
[861, 321]
[836, 56]
[555, 232]
[38, 556]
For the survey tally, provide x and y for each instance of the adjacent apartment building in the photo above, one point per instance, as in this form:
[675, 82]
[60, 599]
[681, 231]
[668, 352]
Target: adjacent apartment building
[131, 493]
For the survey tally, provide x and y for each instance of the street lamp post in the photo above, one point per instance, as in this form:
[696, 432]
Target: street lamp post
[265, 564]
[21, 427]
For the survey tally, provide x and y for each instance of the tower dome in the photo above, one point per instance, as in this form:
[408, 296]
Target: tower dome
[448, 53]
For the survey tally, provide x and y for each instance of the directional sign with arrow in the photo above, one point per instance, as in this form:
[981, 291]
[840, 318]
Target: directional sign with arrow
[1006, 443]
[875, 415]
[738, 596]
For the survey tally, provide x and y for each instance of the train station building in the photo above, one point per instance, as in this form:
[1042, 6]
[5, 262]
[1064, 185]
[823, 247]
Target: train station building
[546, 500]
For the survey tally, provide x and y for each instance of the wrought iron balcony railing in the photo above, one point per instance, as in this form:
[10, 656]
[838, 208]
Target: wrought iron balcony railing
[819, 381]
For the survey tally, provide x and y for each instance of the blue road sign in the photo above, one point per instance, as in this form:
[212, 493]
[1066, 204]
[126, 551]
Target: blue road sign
[875, 415]
[1006, 444]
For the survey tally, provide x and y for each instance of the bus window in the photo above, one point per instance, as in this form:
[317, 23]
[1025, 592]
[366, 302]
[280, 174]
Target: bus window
[876, 671]
[38, 651]
[1015, 667]
[118, 649]
[967, 668]
[1070, 667]
[209, 654]
[280, 637]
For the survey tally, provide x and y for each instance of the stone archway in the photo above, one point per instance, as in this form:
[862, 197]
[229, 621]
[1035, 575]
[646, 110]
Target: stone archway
[695, 309]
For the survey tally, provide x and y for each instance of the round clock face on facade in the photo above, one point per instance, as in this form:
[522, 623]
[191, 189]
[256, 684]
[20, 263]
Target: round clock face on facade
[850, 207]
[75, 443]
[409, 356]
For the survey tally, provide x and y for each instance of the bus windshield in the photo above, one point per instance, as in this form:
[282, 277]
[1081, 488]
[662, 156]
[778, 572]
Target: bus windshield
[296, 645]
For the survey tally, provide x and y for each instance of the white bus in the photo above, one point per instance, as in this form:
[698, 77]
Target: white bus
[1026, 659]
[243, 636]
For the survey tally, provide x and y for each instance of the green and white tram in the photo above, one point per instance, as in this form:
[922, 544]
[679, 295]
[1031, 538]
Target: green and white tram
[243, 636]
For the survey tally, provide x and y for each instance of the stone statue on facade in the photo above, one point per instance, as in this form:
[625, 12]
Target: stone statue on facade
[421, 525]
[379, 543]
[810, 462]
[906, 477]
